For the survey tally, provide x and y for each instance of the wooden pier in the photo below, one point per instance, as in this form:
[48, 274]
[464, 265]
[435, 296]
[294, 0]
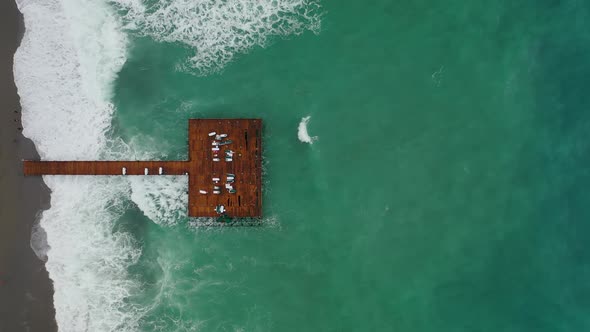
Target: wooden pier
[245, 198]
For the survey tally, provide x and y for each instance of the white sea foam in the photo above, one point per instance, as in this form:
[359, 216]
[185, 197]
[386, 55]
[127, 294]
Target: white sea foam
[216, 29]
[88, 260]
[69, 51]
[302, 133]
[68, 58]
[162, 199]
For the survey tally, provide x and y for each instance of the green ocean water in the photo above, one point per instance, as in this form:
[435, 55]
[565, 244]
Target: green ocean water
[448, 189]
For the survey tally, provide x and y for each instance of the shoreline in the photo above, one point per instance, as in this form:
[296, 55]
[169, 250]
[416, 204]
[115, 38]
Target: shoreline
[26, 292]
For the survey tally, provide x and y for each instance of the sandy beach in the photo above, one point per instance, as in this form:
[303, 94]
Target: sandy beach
[26, 292]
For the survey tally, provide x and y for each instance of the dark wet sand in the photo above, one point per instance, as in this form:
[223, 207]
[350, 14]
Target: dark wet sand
[26, 292]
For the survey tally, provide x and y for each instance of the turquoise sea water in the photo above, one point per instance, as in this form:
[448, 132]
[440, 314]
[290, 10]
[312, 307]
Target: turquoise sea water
[448, 189]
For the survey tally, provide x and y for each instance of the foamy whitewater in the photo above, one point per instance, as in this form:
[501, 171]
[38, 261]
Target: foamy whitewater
[302, 133]
[69, 55]
[64, 69]
[217, 30]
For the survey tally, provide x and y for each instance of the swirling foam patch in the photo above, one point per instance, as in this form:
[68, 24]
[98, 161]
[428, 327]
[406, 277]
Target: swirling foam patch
[218, 30]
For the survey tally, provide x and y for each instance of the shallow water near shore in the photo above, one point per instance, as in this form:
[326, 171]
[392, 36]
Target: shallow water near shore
[445, 190]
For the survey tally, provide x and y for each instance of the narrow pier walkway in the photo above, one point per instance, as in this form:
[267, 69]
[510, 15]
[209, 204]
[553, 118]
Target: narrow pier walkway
[105, 167]
[224, 168]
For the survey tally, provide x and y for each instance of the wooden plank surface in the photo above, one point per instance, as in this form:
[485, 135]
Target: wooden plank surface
[245, 135]
[246, 145]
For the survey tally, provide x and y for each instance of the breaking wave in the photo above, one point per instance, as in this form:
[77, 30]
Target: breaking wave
[218, 30]
[162, 199]
[302, 133]
[70, 54]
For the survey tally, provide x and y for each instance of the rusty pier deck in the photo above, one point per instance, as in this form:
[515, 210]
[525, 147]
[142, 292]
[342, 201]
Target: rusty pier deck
[203, 165]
